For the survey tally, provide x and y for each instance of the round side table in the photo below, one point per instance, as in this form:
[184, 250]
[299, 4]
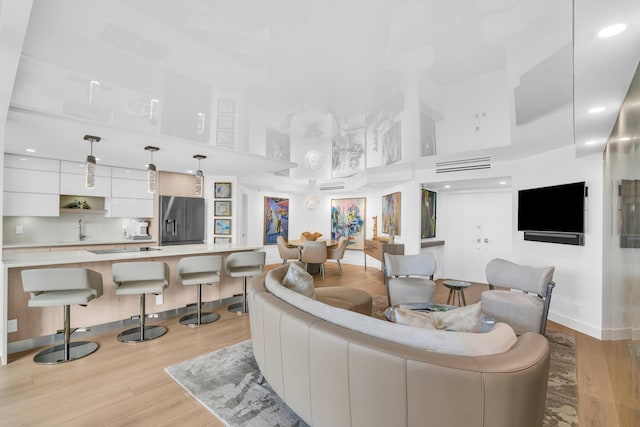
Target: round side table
[456, 288]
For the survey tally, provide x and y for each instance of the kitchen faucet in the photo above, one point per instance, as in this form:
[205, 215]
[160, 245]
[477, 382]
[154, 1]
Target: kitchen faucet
[80, 235]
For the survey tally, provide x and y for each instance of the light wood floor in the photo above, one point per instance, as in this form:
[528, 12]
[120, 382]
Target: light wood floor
[125, 384]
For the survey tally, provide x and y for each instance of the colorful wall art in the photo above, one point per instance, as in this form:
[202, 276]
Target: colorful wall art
[391, 214]
[428, 214]
[276, 219]
[347, 220]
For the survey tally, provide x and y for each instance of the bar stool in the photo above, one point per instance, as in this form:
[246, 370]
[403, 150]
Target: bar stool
[63, 286]
[243, 264]
[146, 277]
[196, 271]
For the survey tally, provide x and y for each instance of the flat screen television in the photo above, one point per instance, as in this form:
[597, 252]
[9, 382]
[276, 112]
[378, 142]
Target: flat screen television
[558, 209]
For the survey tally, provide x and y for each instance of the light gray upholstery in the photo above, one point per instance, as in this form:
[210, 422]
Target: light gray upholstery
[199, 269]
[147, 277]
[332, 375]
[314, 252]
[243, 264]
[61, 286]
[337, 252]
[285, 252]
[526, 310]
[409, 278]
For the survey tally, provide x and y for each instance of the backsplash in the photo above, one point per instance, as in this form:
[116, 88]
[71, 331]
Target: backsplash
[65, 228]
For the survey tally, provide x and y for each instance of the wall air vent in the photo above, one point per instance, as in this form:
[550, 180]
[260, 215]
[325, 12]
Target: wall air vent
[462, 165]
[332, 186]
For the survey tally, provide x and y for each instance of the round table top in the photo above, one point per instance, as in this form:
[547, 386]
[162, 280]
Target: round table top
[300, 243]
[456, 284]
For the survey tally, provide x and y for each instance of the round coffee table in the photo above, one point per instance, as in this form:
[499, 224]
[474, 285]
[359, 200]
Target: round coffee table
[456, 288]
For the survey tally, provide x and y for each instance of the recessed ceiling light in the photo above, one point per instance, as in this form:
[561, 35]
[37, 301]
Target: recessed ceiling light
[30, 150]
[503, 182]
[595, 110]
[190, 171]
[611, 30]
[447, 186]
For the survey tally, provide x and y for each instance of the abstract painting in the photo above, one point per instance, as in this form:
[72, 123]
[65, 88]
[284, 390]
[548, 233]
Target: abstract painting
[428, 214]
[391, 214]
[347, 220]
[222, 226]
[276, 219]
[222, 190]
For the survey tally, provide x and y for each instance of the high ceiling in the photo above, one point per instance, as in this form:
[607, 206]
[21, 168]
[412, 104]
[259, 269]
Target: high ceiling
[97, 67]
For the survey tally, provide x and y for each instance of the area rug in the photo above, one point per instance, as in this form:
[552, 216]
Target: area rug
[226, 383]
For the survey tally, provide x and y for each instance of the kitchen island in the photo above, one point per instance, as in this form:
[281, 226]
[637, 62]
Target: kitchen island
[109, 309]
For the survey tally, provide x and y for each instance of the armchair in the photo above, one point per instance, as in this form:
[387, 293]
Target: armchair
[314, 253]
[285, 252]
[409, 278]
[526, 310]
[337, 252]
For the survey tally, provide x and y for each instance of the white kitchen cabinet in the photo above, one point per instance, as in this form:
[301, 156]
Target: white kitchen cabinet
[118, 207]
[30, 204]
[129, 189]
[74, 185]
[79, 168]
[31, 186]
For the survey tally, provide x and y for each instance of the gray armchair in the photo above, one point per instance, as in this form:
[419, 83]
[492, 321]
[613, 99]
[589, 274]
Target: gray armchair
[526, 310]
[314, 253]
[337, 252]
[285, 252]
[409, 278]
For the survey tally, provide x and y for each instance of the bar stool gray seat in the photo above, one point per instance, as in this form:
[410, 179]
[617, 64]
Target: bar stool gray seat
[243, 264]
[140, 278]
[63, 286]
[199, 270]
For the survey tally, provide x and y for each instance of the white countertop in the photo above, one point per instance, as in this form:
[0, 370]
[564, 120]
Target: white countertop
[87, 242]
[33, 259]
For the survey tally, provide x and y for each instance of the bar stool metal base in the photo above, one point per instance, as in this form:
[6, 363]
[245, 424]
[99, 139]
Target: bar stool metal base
[192, 319]
[238, 307]
[150, 332]
[56, 354]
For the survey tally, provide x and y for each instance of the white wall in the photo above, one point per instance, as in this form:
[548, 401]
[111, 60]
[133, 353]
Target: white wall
[577, 297]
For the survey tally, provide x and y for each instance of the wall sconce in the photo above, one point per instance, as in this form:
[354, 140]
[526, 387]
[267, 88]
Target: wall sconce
[90, 165]
[199, 176]
[151, 170]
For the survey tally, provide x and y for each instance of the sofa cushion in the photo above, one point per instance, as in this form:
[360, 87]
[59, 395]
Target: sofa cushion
[299, 280]
[463, 319]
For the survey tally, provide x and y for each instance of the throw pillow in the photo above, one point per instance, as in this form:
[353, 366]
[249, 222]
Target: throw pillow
[297, 279]
[463, 319]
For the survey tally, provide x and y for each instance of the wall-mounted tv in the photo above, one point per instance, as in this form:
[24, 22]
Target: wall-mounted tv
[557, 209]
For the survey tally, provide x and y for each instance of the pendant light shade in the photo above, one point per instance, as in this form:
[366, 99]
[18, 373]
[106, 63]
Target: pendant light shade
[90, 165]
[151, 170]
[199, 176]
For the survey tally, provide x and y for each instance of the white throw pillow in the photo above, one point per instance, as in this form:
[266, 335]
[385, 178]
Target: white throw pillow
[463, 319]
[297, 279]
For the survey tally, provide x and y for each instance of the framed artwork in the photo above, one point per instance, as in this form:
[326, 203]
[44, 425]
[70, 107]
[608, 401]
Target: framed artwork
[224, 138]
[222, 207]
[347, 220]
[276, 219]
[391, 214]
[222, 190]
[391, 148]
[221, 239]
[226, 106]
[225, 122]
[222, 226]
[428, 214]
[347, 158]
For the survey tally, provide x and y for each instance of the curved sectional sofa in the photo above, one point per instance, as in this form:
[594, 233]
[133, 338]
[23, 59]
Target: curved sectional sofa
[335, 367]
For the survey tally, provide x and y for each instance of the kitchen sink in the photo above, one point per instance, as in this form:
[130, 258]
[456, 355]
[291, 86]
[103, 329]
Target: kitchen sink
[121, 250]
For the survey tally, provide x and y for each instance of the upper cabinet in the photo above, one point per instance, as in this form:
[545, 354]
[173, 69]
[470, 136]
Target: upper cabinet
[129, 195]
[72, 180]
[31, 186]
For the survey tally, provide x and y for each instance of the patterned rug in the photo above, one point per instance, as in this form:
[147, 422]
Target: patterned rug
[226, 383]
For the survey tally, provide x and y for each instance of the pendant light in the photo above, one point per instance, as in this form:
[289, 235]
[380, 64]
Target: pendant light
[199, 176]
[90, 165]
[151, 170]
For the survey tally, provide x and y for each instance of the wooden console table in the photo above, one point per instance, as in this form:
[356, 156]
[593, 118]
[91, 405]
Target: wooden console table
[377, 249]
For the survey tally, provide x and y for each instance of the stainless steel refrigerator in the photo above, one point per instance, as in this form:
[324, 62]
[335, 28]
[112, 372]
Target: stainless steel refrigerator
[182, 220]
